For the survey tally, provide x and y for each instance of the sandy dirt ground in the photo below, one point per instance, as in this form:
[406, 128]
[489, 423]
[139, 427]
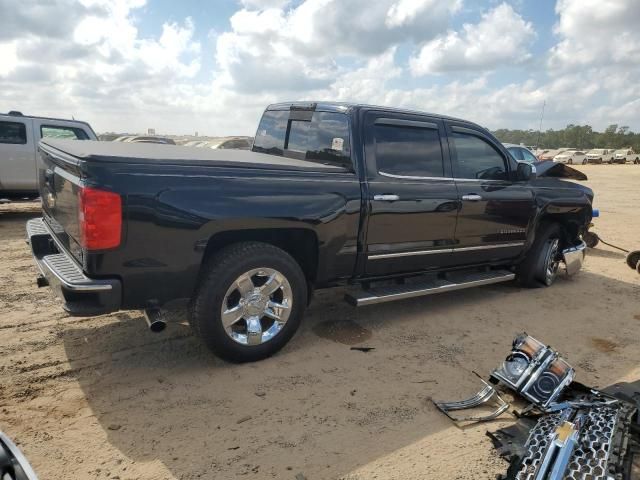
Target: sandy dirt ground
[104, 398]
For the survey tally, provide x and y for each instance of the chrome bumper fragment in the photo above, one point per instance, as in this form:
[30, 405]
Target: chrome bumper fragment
[573, 257]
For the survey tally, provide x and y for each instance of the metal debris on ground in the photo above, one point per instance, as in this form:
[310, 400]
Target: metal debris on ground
[485, 395]
[568, 431]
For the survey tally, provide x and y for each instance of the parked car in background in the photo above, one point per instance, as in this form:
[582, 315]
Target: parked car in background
[600, 155]
[521, 153]
[235, 143]
[571, 157]
[150, 139]
[19, 137]
[548, 155]
[626, 155]
[195, 143]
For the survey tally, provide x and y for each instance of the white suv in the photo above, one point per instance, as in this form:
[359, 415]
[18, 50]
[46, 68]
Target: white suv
[627, 154]
[571, 157]
[19, 137]
[600, 155]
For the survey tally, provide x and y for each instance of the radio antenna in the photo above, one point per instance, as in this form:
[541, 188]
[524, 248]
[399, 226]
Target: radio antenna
[540, 127]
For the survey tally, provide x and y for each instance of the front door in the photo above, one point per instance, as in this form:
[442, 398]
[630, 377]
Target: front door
[495, 209]
[413, 200]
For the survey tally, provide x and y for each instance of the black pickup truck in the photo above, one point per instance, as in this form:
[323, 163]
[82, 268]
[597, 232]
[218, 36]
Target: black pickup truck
[392, 203]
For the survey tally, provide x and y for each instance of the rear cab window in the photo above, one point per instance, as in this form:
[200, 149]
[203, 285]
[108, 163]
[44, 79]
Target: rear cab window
[13, 133]
[59, 131]
[315, 136]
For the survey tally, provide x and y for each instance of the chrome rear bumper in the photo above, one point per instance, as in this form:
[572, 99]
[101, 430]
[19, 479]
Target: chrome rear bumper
[574, 257]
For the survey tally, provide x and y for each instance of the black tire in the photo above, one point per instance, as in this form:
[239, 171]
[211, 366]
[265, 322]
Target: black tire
[221, 271]
[570, 161]
[585, 161]
[531, 272]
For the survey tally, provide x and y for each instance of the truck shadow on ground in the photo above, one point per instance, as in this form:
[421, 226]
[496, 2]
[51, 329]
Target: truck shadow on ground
[319, 407]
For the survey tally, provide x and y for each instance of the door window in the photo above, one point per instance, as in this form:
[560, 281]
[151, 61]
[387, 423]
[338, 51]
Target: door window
[528, 156]
[408, 151]
[477, 158]
[56, 131]
[13, 132]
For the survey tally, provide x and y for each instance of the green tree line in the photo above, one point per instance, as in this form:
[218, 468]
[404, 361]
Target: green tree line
[582, 137]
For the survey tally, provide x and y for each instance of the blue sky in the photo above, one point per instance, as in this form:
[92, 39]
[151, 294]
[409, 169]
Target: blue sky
[212, 66]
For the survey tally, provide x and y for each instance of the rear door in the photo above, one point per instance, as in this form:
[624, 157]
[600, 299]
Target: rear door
[495, 210]
[17, 155]
[412, 198]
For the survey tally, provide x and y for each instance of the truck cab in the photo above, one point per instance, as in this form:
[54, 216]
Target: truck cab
[19, 137]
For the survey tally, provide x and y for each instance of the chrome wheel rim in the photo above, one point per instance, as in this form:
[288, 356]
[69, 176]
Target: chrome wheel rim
[552, 263]
[256, 306]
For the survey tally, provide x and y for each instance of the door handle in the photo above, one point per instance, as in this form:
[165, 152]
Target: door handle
[471, 197]
[389, 197]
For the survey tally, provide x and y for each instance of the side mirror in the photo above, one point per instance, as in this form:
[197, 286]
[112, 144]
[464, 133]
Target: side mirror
[525, 172]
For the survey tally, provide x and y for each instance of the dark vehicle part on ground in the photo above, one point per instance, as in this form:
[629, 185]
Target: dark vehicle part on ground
[487, 393]
[534, 371]
[597, 437]
[331, 195]
[633, 260]
[13, 464]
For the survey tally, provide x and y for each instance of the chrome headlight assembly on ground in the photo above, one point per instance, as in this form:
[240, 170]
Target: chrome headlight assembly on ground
[535, 371]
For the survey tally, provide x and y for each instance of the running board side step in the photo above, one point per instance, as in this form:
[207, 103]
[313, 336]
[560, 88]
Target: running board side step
[374, 295]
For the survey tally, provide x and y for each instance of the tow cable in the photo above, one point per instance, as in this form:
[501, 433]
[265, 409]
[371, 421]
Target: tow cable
[599, 239]
[633, 256]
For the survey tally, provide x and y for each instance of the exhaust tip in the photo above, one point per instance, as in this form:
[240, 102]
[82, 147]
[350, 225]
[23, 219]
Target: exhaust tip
[155, 319]
[157, 327]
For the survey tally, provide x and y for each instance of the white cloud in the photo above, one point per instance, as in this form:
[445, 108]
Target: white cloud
[501, 37]
[597, 33]
[404, 12]
[91, 60]
[8, 58]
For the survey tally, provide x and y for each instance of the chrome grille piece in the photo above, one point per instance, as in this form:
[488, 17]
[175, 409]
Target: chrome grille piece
[589, 460]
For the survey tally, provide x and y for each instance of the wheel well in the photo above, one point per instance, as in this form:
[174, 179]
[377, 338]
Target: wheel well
[300, 243]
[572, 224]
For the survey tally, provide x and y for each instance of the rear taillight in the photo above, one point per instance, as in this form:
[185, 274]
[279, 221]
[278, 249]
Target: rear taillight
[100, 218]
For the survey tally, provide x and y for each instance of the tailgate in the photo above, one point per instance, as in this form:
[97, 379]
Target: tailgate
[59, 182]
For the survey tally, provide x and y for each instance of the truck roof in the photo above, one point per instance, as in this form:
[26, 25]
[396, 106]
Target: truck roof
[12, 115]
[343, 107]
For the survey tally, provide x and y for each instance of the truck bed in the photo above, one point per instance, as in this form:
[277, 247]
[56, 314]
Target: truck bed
[144, 153]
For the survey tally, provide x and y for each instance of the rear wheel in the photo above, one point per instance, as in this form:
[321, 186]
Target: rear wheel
[540, 266]
[250, 301]
[570, 161]
[585, 161]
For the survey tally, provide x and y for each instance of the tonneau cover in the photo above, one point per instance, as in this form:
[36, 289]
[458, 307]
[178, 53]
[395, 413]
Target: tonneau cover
[122, 152]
